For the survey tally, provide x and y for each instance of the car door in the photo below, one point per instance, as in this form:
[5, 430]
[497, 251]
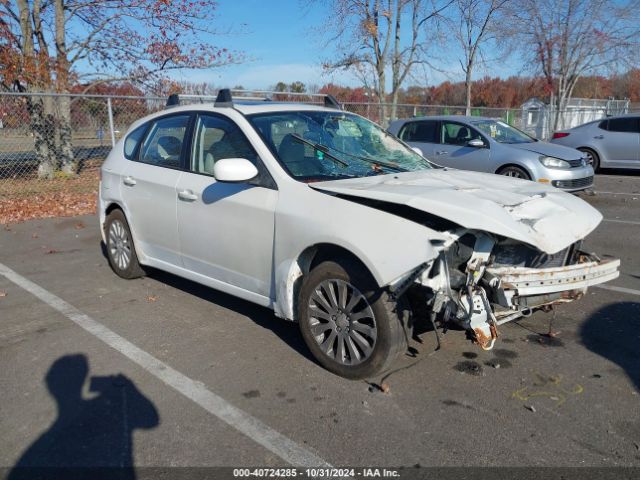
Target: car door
[422, 134]
[454, 152]
[618, 140]
[148, 188]
[226, 230]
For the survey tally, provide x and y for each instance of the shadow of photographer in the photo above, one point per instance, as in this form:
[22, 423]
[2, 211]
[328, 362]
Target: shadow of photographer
[91, 437]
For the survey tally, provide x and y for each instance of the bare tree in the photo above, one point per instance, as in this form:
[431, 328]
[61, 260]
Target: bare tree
[567, 39]
[473, 23]
[374, 37]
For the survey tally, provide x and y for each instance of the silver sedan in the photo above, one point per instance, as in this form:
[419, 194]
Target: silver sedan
[609, 143]
[489, 145]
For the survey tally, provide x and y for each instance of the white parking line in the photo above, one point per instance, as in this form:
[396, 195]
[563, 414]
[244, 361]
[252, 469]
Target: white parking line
[613, 288]
[598, 192]
[274, 441]
[629, 222]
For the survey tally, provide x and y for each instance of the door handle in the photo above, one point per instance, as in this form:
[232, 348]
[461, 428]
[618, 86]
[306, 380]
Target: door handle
[442, 152]
[187, 195]
[599, 137]
[129, 181]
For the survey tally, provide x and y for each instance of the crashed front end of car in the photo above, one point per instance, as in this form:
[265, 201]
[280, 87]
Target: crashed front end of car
[481, 281]
[500, 248]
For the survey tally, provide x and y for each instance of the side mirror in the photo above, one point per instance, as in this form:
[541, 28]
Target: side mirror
[476, 143]
[418, 151]
[236, 170]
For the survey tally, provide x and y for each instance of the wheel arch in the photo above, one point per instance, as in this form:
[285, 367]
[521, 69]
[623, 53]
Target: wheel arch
[290, 274]
[512, 164]
[112, 206]
[593, 150]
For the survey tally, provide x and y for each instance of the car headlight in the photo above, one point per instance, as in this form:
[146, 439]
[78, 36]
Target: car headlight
[553, 162]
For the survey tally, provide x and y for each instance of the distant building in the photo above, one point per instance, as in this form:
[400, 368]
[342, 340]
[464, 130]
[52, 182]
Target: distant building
[537, 116]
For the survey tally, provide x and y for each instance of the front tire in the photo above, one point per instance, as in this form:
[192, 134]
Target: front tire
[514, 172]
[352, 327]
[592, 157]
[120, 249]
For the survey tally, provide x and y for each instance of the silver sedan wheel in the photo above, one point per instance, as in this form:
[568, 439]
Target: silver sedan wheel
[119, 244]
[513, 173]
[342, 322]
[589, 156]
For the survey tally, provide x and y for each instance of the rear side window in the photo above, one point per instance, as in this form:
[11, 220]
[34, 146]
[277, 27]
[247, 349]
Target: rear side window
[132, 141]
[627, 124]
[420, 132]
[163, 144]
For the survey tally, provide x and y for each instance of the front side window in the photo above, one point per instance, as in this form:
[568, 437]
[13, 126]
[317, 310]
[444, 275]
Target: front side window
[320, 145]
[502, 132]
[426, 132]
[163, 144]
[458, 134]
[217, 138]
[627, 124]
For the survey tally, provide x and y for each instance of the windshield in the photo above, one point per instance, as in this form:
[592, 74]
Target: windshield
[501, 132]
[319, 145]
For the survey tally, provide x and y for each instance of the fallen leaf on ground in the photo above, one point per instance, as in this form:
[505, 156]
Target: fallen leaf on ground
[79, 226]
[46, 205]
[51, 251]
[152, 298]
[35, 235]
[3, 293]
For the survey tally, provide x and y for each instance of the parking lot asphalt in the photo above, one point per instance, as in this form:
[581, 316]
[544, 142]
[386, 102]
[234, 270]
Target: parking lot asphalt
[571, 399]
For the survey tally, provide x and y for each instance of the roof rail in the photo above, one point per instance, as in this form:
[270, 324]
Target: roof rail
[225, 97]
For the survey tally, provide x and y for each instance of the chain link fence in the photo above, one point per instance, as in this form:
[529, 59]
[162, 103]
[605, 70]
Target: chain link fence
[383, 114]
[52, 145]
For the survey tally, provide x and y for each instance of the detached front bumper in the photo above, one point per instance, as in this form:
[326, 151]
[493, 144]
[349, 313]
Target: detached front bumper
[517, 288]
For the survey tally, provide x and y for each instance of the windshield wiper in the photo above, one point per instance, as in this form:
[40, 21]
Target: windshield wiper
[325, 149]
[321, 148]
[371, 161]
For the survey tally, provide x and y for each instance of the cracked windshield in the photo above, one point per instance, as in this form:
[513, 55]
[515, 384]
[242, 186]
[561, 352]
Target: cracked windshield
[315, 146]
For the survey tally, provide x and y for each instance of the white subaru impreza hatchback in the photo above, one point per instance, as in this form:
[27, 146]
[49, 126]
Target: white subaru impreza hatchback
[330, 221]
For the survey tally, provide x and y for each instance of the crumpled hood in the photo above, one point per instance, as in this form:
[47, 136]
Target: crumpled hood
[550, 150]
[539, 215]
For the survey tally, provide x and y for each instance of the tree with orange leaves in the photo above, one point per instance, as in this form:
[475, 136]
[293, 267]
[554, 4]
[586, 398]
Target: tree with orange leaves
[53, 45]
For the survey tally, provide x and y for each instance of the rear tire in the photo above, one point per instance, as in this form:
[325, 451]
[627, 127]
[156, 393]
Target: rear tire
[352, 327]
[120, 249]
[514, 172]
[593, 158]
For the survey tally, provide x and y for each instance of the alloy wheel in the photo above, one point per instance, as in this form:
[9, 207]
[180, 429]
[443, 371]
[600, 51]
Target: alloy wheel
[119, 244]
[342, 322]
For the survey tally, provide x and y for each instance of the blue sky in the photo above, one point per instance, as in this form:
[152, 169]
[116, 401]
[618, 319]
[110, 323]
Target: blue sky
[279, 39]
[282, 42]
